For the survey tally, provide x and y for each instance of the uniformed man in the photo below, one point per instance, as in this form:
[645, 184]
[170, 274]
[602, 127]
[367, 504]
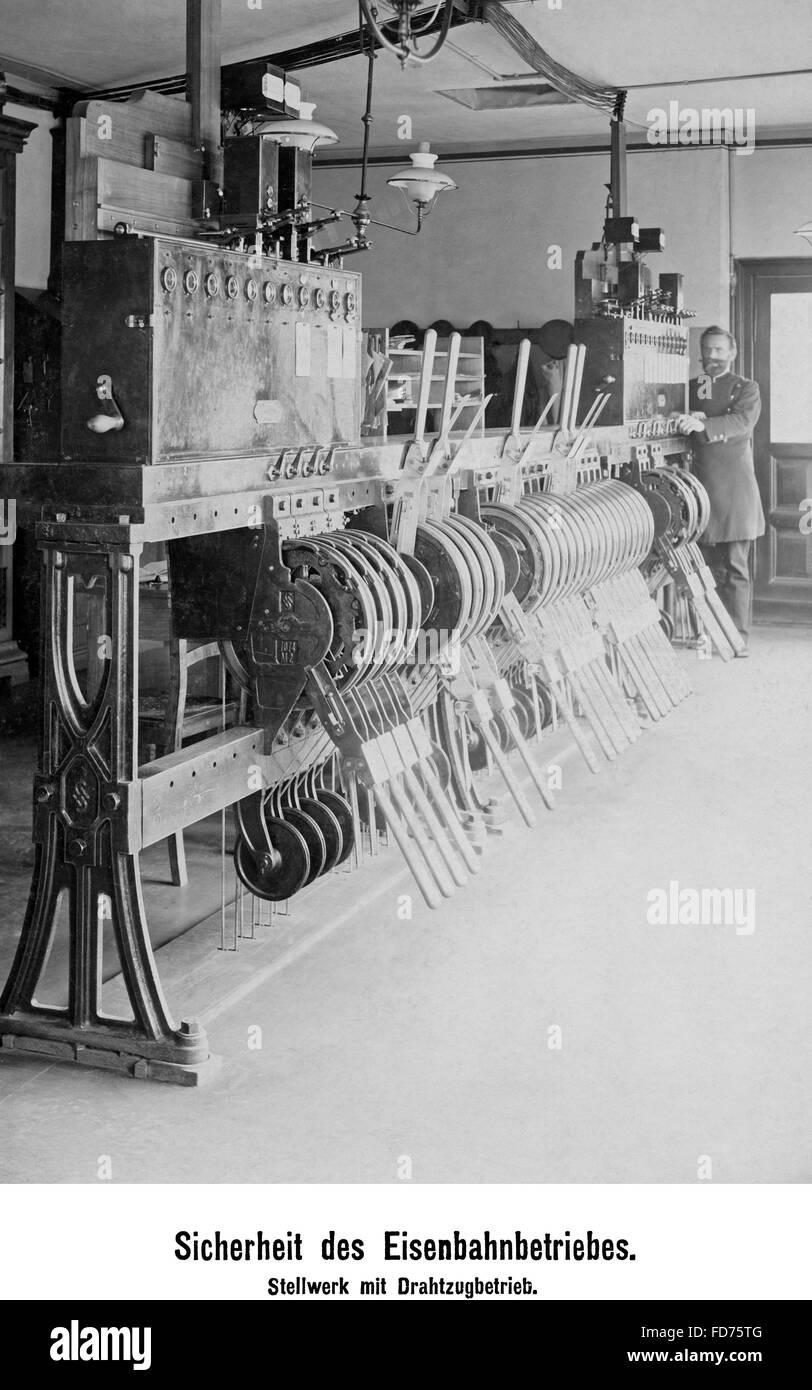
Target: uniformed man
[724, 409]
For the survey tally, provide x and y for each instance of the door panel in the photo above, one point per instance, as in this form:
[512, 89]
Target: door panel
[790, 482]
[774, 328]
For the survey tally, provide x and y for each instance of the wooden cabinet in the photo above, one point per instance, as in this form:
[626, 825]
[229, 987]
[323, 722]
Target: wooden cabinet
[13, 135]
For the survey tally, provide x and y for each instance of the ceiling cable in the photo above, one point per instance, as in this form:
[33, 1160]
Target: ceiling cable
[579, 88]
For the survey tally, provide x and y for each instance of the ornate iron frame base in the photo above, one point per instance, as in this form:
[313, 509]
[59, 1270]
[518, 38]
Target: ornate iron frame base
[88, 833]
[33, 1043]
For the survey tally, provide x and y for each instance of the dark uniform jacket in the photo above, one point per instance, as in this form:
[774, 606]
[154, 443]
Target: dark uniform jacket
[723, 456]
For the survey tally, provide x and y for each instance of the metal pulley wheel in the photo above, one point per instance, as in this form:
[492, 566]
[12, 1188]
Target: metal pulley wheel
[690, 481]
[581, 522]
[503, 732]
[594, 539]
[683, 501]
[374, 651]
[372, 639]
[619, 541]
[545, 700]
[453, 588]
[423, 580]
[329, 828]
[489, 559]
[525, 713]
[341, 809]
[403, 585]
[375, 599]
[312, 836]
[542, 514]
[635, 504]
[440, 765]
[350, 604]
[290, 873]
[511, 525]
[477, 748]
[509, 555]
[482, 579]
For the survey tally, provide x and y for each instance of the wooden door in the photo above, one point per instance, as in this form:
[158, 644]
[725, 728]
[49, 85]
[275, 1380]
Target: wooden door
[774, 328]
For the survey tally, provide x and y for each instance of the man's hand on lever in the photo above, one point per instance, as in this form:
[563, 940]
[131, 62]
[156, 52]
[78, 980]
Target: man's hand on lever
[691, 424]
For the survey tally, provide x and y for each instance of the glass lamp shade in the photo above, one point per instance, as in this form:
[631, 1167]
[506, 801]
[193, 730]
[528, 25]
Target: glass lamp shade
[301, 132]
[421, 182]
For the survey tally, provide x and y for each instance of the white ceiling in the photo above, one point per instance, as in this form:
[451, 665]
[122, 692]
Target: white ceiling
[696, 52]
[99, 43]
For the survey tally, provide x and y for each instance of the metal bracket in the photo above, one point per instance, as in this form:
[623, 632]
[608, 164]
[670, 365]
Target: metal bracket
[290, 629]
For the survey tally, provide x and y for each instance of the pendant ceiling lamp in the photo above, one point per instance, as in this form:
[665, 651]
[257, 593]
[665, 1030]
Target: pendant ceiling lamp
[301, 132]
[421, 183]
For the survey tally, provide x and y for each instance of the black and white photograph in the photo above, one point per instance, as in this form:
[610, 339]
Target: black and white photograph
[405, 594]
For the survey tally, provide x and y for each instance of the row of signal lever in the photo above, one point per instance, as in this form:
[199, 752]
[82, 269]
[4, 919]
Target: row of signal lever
[436, 638]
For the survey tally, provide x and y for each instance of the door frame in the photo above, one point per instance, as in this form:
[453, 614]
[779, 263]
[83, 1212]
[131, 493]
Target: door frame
[747, 272]
[743, 296]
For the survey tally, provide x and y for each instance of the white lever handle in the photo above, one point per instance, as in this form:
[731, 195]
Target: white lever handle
[114, 420]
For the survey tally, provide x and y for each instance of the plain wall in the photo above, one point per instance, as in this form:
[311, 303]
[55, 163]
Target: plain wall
[483, 252]
[771, 198]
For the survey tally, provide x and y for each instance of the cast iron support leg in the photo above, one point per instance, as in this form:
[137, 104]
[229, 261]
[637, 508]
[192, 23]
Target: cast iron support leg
[87, 837]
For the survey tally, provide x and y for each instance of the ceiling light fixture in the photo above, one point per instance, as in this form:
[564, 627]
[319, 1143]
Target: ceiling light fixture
[421, 184]
[301, 132]
[408, 32]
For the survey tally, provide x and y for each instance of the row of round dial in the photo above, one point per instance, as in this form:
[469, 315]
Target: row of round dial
[286, 293]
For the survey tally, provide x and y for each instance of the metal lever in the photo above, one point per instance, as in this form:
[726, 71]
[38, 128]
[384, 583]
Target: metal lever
[111, 419]
[542, 417]
[424, 388]
[518, 395]
[404, 517]
[519, 386]
[590, 419]
[567, 385]
[450, 383]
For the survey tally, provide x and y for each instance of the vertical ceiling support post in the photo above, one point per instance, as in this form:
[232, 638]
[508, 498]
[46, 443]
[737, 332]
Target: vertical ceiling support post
[203, 57]
[617, 177]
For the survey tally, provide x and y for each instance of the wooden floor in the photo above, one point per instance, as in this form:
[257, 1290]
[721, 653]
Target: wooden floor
[539, 1029]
